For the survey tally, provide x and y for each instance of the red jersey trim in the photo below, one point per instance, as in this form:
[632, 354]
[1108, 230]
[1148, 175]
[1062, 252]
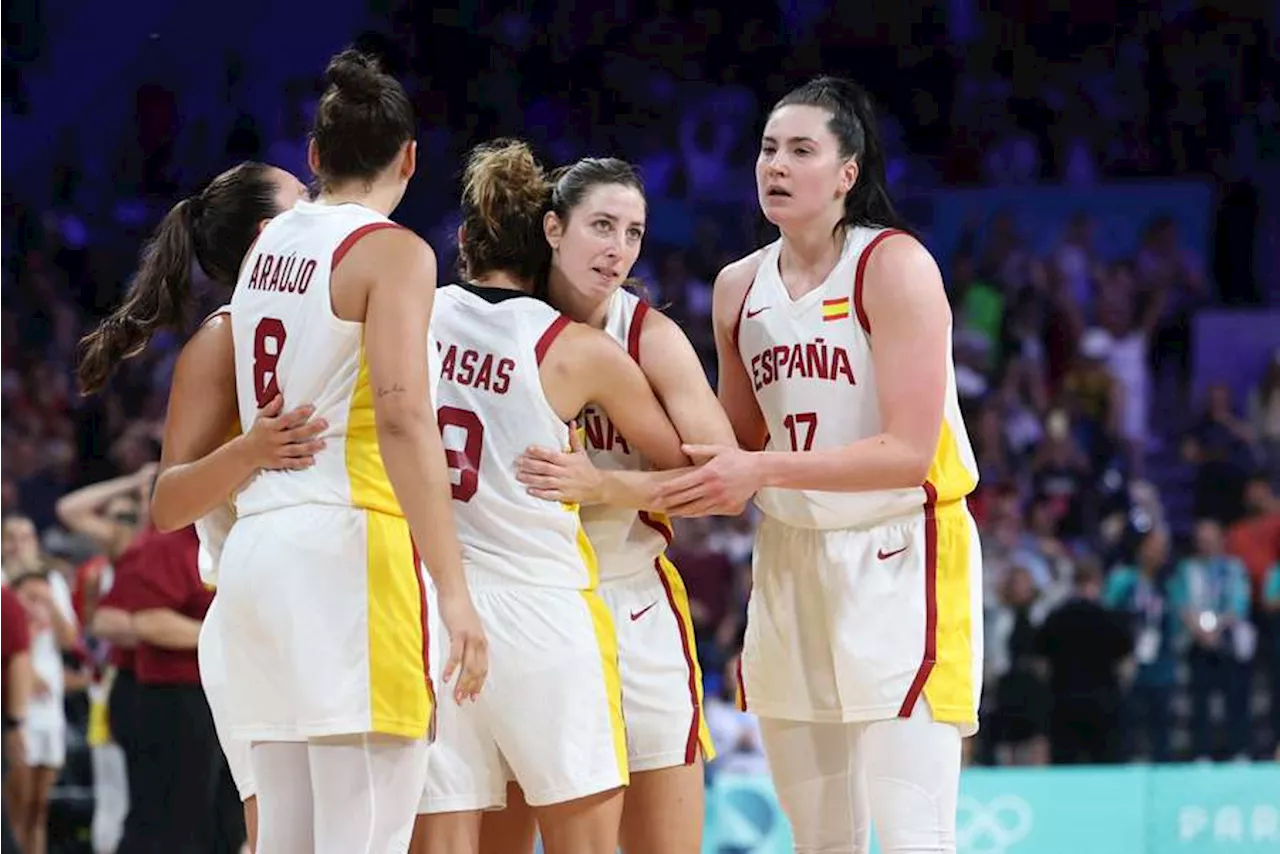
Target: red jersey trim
[354, 237]
[548, 338]
[859, 275]
[637, 326]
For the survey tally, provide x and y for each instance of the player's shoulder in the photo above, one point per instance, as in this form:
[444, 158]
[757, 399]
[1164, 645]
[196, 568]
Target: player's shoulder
[212, 338]
[658, 333]
[894, 250]
[579, 347]
[738, 275]
[897, 273]
[385, 244]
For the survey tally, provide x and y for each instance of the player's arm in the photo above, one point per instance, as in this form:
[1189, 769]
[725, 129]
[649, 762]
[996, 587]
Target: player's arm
[114, 625]
[166, 628]
[910, 324]
[597, 370]
[199, 467]
[736, 396]
[401, 270]
[675, 373]
[81, 511]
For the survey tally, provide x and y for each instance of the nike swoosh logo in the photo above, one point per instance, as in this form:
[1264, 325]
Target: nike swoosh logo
[751, 314]
[884, 555]
[635, 615]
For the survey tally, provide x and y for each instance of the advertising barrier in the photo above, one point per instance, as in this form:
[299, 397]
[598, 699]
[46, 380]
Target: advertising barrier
[1179, 809]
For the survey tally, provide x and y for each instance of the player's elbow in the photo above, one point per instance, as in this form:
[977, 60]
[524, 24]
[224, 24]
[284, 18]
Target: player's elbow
[916, 468]
[403, 422]
[164, 515]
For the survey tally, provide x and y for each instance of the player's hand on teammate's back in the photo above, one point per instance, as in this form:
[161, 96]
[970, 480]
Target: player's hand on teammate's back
[286, 440]
[557, 475]
[468, 646]
[721, 485]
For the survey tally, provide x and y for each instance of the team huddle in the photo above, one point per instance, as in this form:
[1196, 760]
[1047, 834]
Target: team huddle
[437, 517]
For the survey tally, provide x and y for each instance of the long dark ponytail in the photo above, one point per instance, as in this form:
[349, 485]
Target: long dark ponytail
[214, 229]
[853, 122]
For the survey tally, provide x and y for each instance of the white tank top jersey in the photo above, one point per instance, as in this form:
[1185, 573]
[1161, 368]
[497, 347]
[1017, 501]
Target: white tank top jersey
[809, 363]
[288, 339]
[491, 407]
[626, 541]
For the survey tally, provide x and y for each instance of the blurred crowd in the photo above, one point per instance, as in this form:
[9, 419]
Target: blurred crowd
[1130, 529]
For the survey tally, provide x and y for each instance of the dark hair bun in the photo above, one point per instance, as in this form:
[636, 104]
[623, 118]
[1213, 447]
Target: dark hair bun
[356, 75]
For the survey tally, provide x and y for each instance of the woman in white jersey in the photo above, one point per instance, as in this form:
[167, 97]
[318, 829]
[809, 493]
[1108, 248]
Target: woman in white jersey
[864, 631]
[513, 372]
[214, 229]
[595, 228]
[322, 603]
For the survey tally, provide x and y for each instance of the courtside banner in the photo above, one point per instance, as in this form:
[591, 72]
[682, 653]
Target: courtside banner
[1134, 809]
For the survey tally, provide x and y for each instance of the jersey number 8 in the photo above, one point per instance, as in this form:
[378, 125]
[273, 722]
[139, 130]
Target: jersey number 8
[268, 344]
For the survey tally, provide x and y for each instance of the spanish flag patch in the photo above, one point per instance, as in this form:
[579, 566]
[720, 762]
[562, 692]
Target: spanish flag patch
[835, 309]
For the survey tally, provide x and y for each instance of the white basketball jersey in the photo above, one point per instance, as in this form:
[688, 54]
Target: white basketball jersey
[626, 541]
[491, 407]
[809, 362]
[288, 339]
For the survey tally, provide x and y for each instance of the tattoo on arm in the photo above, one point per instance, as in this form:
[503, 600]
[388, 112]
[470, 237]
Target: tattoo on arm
[394, 388]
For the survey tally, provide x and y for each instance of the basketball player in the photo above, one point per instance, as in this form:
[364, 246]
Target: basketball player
[595, 228]
[213, 229]
[514, 371]
[864, 637]
[322, 606]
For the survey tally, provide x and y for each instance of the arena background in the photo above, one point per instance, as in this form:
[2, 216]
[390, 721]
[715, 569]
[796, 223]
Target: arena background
[1099, 181]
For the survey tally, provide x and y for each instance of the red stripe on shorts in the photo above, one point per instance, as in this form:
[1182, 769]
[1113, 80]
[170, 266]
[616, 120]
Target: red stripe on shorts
[930, 656]
[691, 744]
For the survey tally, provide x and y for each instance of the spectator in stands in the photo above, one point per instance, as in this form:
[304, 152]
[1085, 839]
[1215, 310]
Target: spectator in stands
[714, 604]
[1130, 325]
[110, 514]
[1019, 719]
[1220, 445]
[21, 554]
[1138, 591]
[736, 734]
[1211, 593]
[1163, 264]
[16, 678]
[1084, 645]
[1092, 396]
[1264, 408]
[1061, 473]
[1271, 614]
[1255, 539]
[185, 797]
[44, 730]
[48, 594]
[113, 623]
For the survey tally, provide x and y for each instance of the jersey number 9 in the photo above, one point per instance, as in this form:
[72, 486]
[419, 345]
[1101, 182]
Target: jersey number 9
[466, 462]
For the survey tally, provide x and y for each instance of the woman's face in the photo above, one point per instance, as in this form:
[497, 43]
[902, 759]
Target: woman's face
[1154, 550]
[19, 542]
[800, 172]
[596, 248]
[125, 515]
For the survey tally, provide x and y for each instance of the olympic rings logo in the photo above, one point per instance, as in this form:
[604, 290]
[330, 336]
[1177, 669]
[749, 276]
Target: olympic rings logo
[992, 827]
